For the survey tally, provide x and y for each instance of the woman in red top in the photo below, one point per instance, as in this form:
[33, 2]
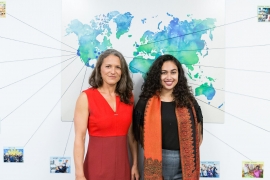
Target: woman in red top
[106, 111]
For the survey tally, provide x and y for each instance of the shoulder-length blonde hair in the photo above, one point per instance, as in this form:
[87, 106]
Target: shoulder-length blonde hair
[124, 86]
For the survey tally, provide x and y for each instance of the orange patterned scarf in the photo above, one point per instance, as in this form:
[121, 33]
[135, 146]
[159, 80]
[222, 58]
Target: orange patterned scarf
[188, 139]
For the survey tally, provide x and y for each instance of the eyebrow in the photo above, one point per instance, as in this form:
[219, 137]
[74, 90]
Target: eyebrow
[170, 70]
[112, 64]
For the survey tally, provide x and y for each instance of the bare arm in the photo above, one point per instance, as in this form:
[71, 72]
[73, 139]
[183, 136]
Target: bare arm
[134, 152]
[80, 121]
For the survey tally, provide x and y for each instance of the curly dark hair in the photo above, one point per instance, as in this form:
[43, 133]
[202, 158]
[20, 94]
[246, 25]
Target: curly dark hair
[182, 93]
[124, 86]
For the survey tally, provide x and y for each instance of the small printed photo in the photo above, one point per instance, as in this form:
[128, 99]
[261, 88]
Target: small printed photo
[252, 169]
[263, 13]
[13, 155]
[60, 165]
[2, 9]
[210, 169]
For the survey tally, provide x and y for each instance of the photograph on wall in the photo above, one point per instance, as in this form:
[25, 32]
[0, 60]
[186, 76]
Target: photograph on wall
[263, 13]
[13, 155]
[2, 9]
[60, 165]
[210, 169]
[143, 34]
[252, 169]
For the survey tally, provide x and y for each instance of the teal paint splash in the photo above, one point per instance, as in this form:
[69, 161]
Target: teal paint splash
[211, 79]
[174, 38]
[169, 14]
[159, 24]
[220, 105]
[89, 47]
[207, 90]
[123, 22]
[143, 20]
[189, 75]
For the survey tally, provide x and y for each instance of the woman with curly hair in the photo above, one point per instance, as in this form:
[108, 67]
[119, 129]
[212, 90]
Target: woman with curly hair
[105, 110]
[167, 122]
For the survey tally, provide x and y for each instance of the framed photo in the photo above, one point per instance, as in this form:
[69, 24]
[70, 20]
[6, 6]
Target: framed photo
[209, 169]
[263, 13]
[60, 165]
[2, 9]
[252, 169]
[13, 155]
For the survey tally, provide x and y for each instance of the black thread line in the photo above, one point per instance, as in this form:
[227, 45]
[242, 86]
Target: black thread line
[149, 42]
[235, 47]
[145, 44]
[53, 107]
[37, 91]
[68, 138]
[83, 79]
[21, 60]
[198, 31]
[240, 94]
[217, 88]
[72, 122]
[40, 31]
[227, 112]
[235, 116]
[34, 74]
[235, 69]
[227, 144]
[247, 70]
[134, 57]
[35, 44]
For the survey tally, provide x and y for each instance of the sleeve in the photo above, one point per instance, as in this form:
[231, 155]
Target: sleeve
[199, 115]
[138, 120]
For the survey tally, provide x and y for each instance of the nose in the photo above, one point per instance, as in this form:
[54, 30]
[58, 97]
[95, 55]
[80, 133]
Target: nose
[113, 70]
[168, 76]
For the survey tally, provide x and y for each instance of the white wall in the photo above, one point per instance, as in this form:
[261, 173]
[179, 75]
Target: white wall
[36, 124]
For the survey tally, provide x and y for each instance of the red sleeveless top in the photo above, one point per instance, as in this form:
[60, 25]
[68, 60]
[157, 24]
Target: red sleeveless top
[107, 156]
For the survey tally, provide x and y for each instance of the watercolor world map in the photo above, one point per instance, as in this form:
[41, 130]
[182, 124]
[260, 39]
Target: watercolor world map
[176, 37]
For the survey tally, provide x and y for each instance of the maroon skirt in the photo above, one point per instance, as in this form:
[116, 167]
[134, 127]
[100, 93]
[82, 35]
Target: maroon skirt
[107, 159]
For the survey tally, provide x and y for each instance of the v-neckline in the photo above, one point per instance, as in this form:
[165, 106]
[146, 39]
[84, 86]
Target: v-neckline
[116, 102]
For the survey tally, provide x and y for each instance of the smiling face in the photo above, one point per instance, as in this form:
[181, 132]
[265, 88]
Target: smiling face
[169, 76]
[110, 70]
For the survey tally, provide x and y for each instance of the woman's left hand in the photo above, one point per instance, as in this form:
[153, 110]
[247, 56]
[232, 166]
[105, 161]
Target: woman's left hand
[135, 173]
